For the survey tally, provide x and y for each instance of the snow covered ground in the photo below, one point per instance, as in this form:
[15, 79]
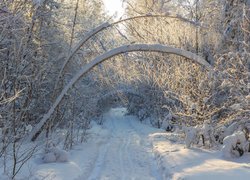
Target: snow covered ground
[177, 162]
[124, 149]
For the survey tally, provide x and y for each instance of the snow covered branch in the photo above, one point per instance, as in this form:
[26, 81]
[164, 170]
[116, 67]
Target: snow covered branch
[107, 25]
[107, 55]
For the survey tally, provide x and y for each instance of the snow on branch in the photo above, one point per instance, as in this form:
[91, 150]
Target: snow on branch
[106, 25]
[122, 49]
[78, 46]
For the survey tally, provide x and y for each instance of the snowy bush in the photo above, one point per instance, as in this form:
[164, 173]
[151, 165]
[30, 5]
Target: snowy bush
[204, 132]
[223, 131]
[54, 154]
[165, 125]
[166, 122]
[207, 134]
[143, 114]
[219, 134]
[191, 136]
[235, 145]
[49, 157]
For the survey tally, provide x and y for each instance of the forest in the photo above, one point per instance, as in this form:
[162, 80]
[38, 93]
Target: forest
[177, 69]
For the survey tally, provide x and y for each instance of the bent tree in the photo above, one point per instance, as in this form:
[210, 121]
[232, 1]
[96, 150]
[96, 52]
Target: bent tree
[106, 25]
[120, 50]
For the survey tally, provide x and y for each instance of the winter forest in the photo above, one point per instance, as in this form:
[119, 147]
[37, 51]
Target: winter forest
[124, 89]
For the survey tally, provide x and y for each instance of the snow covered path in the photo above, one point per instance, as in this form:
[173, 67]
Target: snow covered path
[125, 149]
[127, 154]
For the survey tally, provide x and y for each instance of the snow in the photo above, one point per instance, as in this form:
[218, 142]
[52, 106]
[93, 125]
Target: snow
[124, 148]
[177, 162]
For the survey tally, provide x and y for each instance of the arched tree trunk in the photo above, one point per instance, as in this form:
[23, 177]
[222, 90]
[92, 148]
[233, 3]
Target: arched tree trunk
[106, 25]
[123, 49]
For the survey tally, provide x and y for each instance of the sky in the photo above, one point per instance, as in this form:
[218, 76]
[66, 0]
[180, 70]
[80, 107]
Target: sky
[114, 7]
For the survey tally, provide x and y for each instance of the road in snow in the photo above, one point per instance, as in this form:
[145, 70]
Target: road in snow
[125, 149]
[127, 153]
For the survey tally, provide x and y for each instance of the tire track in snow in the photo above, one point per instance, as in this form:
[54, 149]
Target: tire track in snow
[128, 154]
[155, 172]
[121, 147]
[121, 160]
[99, 163]
[94, 165]
[100, 160]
